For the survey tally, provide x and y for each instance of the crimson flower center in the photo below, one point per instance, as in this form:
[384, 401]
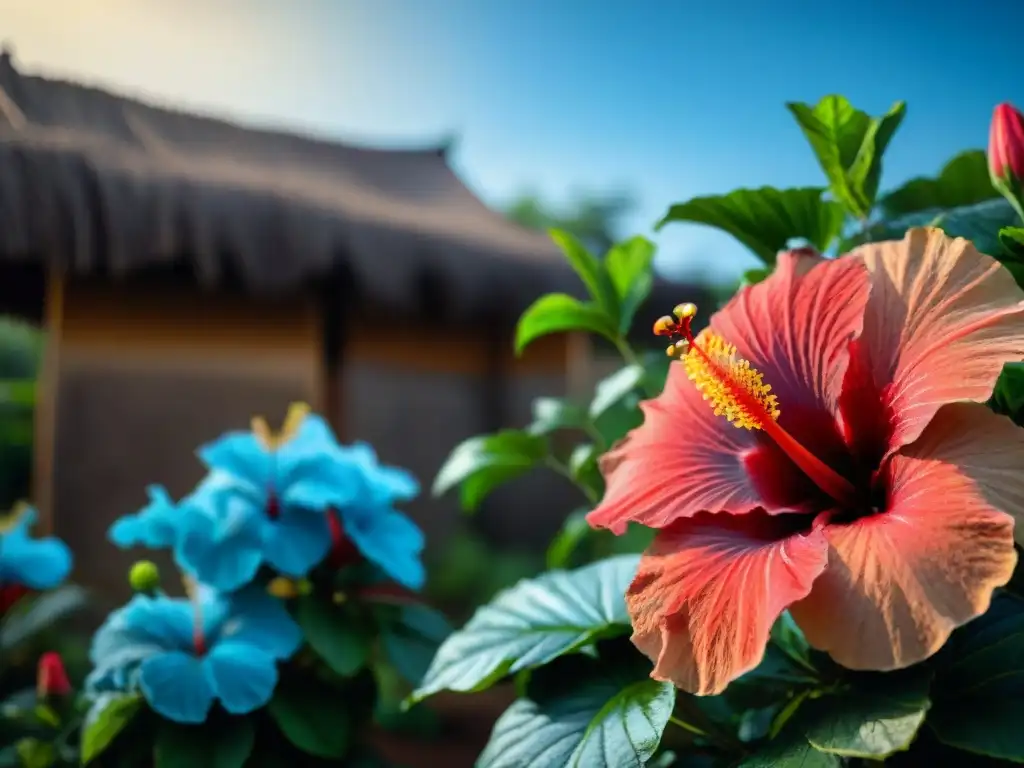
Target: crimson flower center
[737, 391]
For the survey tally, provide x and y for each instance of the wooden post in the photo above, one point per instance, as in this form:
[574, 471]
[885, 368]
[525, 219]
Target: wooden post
[44, 429]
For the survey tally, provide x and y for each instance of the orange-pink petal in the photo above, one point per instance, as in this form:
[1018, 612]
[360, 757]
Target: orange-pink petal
[709, 589]
[795, 328]
[941, 322]
[681, 460]
[899, 582]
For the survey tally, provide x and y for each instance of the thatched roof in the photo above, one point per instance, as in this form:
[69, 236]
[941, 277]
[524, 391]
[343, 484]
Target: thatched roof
[102, 184]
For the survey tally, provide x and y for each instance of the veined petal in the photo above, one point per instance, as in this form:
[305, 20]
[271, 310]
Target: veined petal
[899, 582]
[708, 590]
[683, 459]
[941, 322]
[176, 686]
[241, 676]
[795, 328]
[297, 541]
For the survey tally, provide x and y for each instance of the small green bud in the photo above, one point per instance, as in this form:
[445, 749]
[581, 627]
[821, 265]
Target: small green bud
[144, 576]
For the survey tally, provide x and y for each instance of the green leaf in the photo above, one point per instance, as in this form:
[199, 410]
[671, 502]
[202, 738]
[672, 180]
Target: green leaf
[411, 639]
[334, 634]
[1008, 397]
[551, 414]
[313, 718]
[629, 266]
[482, 463]
[871, 723]
[849, 146]
[574, 530]
[765, 219]
[35, 753]
[532, 623]
[963, 181]
[584, 470]
[605, 720]
[108, 716]
[617, 421]
[612, 389]
[228, 745]
[656, 368]
[590, 270]
[18, 392]
[980, 223]
[32, 616]
[559, 312]
[1012, 240]
[790, 750]
[754, 276]
[979, 703]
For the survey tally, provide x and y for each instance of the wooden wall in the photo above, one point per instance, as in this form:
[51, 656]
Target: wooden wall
[135, 378]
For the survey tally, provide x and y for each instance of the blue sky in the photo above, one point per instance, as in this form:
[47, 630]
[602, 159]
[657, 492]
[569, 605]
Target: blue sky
[666, 98]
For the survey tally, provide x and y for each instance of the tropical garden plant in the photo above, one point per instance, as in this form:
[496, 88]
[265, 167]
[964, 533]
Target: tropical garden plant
[825, 484]
[289, 634]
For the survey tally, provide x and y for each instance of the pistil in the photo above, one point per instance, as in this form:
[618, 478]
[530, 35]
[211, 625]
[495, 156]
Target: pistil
[736, 390]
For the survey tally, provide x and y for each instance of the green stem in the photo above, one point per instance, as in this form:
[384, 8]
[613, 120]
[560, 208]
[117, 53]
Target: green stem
[552, 463]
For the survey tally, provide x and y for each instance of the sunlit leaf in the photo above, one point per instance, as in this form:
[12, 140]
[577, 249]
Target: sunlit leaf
[480, 464]
[629, 267]
[963, 181]
[559, 313]
[765, 219]
[108, 716]
[614, 388]
[590, 270]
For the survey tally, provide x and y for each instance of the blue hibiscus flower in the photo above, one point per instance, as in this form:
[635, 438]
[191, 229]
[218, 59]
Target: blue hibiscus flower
[265, 501]
[155, 526]
[33, 563]
[383, 535]
[185, 654]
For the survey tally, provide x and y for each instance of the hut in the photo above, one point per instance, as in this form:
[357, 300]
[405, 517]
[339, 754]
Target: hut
[191, 272]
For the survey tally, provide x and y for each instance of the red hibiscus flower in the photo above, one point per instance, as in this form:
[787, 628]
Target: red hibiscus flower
[823, 447]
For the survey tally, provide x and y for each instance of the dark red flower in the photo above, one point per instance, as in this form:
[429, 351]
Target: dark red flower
[52, 678]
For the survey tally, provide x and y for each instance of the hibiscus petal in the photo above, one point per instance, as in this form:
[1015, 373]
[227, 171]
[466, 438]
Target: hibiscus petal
[795, 327]
[899, 582]
[683, 459]
[297, 541]
[176, 687]
[941, 322]
[242, 676]
[708, 590]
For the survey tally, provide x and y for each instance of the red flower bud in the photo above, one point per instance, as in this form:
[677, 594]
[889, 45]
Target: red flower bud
[1006, 143]
[52, 679]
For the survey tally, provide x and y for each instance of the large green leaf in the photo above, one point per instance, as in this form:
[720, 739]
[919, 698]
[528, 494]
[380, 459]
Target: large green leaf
[979, 704]
[765, 219]
[480, 464]
[559, 313]
[629, 267]
[107, 717]
[553, 413]
[871, 723]
[979, 223]
[411, 635]
[532, 623]
[964, 180]
[333, 633]
[849, 145]
[1008, 396]
[790, 750]
[228, 745]
[313, 718]
[603, 717]
[590, 270]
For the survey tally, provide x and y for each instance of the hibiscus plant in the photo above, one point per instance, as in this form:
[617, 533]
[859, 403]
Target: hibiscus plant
[295, 612]
[826, 485]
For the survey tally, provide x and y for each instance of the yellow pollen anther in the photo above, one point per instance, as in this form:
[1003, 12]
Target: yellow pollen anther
[685, 310]
[297, 413]
[728, 383]
[663, 325]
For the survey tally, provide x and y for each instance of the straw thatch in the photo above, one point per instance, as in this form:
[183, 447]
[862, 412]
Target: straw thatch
[101, 184]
